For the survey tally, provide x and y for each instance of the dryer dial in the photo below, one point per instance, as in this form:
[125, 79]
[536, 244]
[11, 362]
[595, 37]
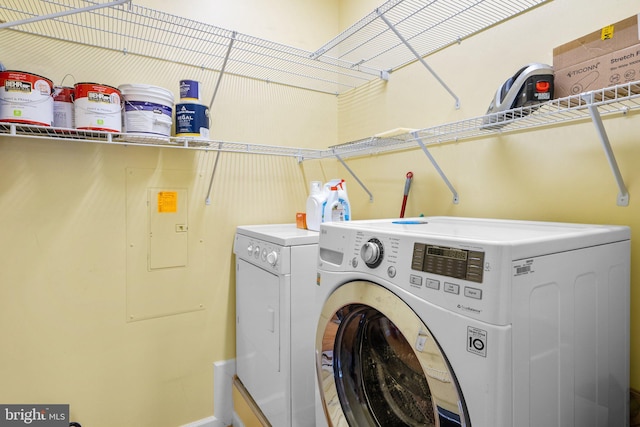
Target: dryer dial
[372, 253]
[272, 258]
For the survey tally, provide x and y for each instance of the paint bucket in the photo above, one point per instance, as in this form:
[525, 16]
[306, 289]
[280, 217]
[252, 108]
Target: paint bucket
[189, 91]
[192, 120]
[63, 107]
[25, 98]
[147, 109]
[97, 107]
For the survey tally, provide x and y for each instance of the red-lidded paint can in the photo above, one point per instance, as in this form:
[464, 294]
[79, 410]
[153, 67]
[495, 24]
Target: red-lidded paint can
[25, 98]
[97, 107]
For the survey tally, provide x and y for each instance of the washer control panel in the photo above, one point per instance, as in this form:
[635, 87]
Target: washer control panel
[450, 262]
[442, 267]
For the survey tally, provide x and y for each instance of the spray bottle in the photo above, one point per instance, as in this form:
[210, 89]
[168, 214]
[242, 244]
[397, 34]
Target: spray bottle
[332, 211]
[326, 192]
[344, 199]
[336, 207]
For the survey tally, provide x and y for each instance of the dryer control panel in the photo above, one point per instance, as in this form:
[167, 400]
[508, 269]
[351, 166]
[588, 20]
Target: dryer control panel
[446, 261]
[266, 255]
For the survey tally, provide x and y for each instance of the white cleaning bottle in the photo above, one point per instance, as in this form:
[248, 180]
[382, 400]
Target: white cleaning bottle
[332, 211]
[326, 192]
[315, 203]
[329, 203]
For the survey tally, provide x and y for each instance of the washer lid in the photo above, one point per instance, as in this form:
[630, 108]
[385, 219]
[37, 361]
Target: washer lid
[280, 234]
[526, 238]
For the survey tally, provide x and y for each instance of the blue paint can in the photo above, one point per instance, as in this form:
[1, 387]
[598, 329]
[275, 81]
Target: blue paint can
[189, 91]
[192, 120]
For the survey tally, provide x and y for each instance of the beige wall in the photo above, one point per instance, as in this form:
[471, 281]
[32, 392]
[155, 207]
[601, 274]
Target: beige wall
[70, 210]
[85, 322]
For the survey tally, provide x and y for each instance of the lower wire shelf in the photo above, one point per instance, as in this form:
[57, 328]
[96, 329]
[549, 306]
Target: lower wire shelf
[616, 99]
[591, 105]
[92, 136]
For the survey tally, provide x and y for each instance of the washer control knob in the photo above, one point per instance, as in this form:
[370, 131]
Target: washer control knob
[391, 272]
[256, 251]
[372, 253]
[250, 249]
[272, 258]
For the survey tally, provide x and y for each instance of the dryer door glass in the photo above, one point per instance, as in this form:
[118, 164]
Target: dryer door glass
[387, 369]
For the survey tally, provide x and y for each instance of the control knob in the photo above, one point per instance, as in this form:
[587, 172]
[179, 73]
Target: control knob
[272, 258]
[372, 253]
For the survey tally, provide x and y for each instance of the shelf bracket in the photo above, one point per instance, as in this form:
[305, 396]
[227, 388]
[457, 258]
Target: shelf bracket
[456, 199]
[222, 69]
[623, 194]
[213, 97]
[418, 56]
[62, 13]
[353, 175]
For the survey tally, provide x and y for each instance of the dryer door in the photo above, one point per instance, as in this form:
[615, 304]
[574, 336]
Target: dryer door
[379, 365]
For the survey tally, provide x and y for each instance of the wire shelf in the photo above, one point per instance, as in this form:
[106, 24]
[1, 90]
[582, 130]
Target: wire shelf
[428, 25]
[616, 99]
[364, 52]
[80, 135]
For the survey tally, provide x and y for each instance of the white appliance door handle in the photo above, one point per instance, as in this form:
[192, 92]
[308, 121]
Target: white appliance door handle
[271, 319]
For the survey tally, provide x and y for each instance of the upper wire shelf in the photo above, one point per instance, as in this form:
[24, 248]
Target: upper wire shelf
[427, 25]
[364, 52]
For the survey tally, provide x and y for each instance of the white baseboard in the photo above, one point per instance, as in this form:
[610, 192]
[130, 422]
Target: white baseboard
[207, 422]
[223, 415]
[237, 422]
[223, 372]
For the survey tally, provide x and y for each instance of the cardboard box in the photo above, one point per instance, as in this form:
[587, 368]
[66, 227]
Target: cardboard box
[606, 57]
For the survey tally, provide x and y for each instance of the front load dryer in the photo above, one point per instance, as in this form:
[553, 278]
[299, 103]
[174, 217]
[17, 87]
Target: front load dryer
[445, 321]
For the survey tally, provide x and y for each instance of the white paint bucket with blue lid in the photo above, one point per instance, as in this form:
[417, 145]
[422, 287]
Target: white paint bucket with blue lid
[147, 109]
[192, 120]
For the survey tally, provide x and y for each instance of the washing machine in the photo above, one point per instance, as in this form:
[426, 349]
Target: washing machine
[275, 289]
[445, 321]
